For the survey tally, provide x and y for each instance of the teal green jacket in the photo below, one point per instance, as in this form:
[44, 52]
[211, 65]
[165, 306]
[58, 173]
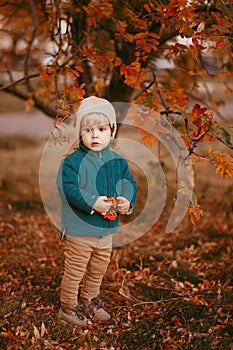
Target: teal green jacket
[84, 176]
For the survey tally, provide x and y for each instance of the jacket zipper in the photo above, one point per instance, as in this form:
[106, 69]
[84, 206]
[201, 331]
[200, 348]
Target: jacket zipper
[107, 176]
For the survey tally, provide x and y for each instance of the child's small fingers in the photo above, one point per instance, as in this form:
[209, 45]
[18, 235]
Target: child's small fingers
[122, 206]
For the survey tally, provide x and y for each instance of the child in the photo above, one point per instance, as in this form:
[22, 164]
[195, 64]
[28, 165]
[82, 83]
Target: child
[87, 178]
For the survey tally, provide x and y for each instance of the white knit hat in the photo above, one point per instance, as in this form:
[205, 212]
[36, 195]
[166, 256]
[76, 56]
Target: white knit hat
[95, 104]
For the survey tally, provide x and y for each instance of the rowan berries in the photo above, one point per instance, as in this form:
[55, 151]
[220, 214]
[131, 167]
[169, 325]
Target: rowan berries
[112, 212]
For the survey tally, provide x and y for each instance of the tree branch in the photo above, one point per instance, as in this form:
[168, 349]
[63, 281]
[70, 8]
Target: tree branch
[21, 80]
[49, 111]
[30, 43]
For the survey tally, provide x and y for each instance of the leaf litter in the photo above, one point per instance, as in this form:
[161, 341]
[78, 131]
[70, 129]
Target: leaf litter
[164, 291]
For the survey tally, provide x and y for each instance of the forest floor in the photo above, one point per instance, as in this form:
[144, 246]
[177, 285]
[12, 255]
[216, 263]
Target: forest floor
[164, 291]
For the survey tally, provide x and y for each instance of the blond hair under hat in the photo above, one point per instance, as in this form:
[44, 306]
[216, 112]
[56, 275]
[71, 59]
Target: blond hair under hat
[95, 104]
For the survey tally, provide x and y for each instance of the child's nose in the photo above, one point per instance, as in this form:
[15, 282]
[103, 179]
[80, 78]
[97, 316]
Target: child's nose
[94, 132]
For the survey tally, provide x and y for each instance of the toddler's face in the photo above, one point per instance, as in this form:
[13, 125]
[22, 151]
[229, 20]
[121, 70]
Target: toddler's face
[95, 132]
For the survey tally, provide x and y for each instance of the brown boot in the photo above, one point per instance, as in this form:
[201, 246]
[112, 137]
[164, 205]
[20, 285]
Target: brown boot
[75, 314]
[95, 308]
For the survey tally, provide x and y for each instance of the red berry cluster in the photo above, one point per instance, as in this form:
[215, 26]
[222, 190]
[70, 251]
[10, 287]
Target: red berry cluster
[112, 212]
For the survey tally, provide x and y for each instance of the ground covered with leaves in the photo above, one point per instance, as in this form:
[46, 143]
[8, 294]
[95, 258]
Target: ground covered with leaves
[164, 291]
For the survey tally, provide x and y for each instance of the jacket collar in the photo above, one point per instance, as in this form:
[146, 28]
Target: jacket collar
[106, 152]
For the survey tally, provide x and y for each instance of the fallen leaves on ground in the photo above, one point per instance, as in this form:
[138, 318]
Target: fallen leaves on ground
[164, 291]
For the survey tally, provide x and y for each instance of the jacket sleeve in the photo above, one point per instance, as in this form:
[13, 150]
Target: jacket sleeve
[68, 187]
[128, 185]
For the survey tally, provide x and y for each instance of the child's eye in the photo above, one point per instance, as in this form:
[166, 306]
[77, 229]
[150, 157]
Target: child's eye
[87, 130]
[103, 128]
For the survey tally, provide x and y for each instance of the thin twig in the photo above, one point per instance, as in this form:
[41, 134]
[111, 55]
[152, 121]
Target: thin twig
[21, 80]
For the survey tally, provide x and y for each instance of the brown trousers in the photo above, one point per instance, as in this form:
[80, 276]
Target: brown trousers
[86, 261]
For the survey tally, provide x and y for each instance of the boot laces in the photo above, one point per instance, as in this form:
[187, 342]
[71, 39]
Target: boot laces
[97, 303]
[79, 312]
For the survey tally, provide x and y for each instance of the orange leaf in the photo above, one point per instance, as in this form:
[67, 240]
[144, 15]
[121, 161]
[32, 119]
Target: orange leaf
[147, 8]
[200, 160]
[118, 61]
[221, 43]
[140, 35]
[79, 68]
[195, 213]
[148, 138]
[134, 74]
[43, 75]
[122, 69]
[8, 335]
[80, 92]
[223, 163]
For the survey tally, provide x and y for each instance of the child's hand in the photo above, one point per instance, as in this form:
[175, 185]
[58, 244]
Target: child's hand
[123, 205]
[102, 205]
